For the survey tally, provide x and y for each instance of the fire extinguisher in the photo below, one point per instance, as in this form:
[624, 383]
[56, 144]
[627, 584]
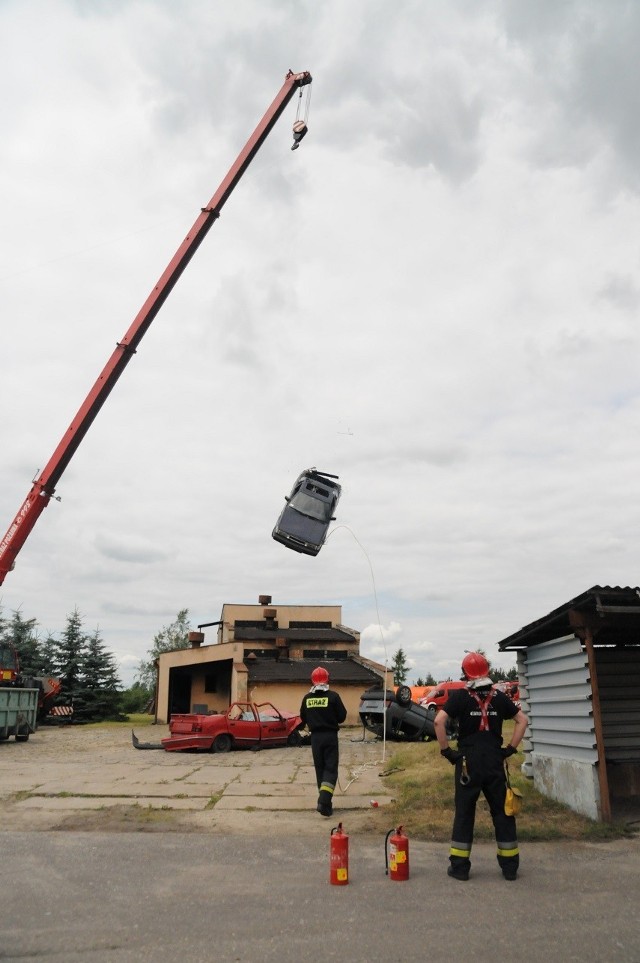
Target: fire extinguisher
[396, 855]
[339, 857]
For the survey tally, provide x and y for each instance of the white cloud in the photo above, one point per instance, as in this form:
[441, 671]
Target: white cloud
[446, 268]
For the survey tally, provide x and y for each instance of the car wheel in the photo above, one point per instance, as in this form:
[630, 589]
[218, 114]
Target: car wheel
[294, 739]
[403, 695]
[222, 743]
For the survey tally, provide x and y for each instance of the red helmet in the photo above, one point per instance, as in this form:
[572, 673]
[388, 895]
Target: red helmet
[475, 666]
[319, 676]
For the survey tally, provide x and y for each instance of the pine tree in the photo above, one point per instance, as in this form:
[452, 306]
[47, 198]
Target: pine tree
[429, 680]
[68, 653]
[399, 668]
[170, 637]
[99, 680]
[23, 635]
[47, 655]
[498, 674]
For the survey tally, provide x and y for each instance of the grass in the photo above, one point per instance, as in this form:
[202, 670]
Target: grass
[137, 719]
[422, 788]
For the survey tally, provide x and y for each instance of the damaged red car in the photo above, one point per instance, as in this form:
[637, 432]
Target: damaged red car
[244, 725]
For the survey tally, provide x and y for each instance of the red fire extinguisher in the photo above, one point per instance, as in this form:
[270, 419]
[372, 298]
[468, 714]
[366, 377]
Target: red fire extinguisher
[339, 857]
[396, 855]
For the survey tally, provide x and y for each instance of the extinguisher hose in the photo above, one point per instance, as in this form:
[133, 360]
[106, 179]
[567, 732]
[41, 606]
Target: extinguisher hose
[386, 853]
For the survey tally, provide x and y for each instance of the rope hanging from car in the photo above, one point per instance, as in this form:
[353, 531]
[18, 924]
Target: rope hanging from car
[382, 638]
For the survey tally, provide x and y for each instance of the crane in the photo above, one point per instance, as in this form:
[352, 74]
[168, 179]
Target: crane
[44, 485]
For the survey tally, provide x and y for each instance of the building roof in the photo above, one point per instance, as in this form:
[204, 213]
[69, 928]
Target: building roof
[616, 608]
[341, 671]
[244, 633]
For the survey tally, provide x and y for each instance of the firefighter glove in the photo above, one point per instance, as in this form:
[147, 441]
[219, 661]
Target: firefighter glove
[508, 751]
[451, 755]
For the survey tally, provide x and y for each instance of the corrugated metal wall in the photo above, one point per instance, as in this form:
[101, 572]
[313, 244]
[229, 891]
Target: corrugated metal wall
[619, 687]
[557, 699]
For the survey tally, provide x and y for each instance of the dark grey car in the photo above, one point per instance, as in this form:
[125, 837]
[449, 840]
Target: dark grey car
[396, 716]
[403, 719]
[305, 519]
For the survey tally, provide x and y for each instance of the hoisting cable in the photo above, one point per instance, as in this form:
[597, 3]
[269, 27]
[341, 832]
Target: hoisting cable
[384, 647]
[300, 123]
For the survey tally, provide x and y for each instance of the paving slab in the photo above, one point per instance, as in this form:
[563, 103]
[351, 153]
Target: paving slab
[79, 770]
[75, 803]
[276, 790]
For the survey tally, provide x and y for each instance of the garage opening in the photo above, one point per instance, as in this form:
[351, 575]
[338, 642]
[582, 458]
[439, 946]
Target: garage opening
[179, 690]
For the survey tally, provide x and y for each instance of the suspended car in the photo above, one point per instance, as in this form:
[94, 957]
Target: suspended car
[309, 510]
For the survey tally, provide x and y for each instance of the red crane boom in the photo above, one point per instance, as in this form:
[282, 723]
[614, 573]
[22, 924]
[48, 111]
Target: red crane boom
[44, 485]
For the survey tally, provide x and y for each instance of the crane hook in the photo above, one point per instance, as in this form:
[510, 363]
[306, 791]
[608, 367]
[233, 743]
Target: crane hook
[299, 130]
[300, 123]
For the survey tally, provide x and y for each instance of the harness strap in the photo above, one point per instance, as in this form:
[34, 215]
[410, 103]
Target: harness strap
[484, 707]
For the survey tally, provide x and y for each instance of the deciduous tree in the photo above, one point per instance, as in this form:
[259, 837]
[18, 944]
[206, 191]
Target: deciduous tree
[170, 637]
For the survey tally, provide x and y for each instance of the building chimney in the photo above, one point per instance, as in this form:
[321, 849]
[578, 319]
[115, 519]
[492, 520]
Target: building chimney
[264, 600]
[195, 639]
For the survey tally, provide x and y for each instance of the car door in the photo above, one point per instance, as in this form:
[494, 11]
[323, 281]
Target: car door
[244, 725]
[273, 728]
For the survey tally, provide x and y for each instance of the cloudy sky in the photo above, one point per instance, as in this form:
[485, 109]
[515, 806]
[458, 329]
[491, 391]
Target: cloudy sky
[435, 298]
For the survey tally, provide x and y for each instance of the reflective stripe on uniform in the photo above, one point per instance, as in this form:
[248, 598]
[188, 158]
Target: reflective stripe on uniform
[509, 852]
[327, 787]
[463, 853]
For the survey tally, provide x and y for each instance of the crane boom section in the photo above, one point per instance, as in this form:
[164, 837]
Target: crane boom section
[44, 485]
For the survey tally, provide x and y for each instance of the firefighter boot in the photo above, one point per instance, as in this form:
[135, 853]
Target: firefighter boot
[508, 859]
[509, 867]
[459, 868]
[325, 803]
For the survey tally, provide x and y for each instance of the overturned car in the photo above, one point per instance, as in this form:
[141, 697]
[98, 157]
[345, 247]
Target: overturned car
[393, 715]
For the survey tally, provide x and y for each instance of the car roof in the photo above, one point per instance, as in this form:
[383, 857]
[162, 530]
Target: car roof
[328, 480]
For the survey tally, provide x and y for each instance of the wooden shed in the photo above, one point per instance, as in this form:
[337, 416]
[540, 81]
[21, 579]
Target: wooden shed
[579, 671]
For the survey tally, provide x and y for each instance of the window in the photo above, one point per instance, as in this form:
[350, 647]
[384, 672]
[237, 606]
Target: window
[311, 507]
[261, 653]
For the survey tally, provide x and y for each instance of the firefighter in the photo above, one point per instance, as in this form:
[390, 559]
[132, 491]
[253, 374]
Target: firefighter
[479, 762]
[322, 711]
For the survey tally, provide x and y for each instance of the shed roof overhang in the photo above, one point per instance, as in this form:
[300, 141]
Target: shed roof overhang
[611, 614]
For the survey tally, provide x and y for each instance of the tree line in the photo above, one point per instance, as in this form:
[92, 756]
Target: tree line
[401, 669]
[87, 670]
[80, 659]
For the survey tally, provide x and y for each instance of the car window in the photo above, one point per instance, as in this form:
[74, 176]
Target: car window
[316, 490]
[241, 712]
[310, 506]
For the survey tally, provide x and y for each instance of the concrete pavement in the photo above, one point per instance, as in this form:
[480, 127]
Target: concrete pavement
[65, 777]
[137, 897]
[243, 875]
